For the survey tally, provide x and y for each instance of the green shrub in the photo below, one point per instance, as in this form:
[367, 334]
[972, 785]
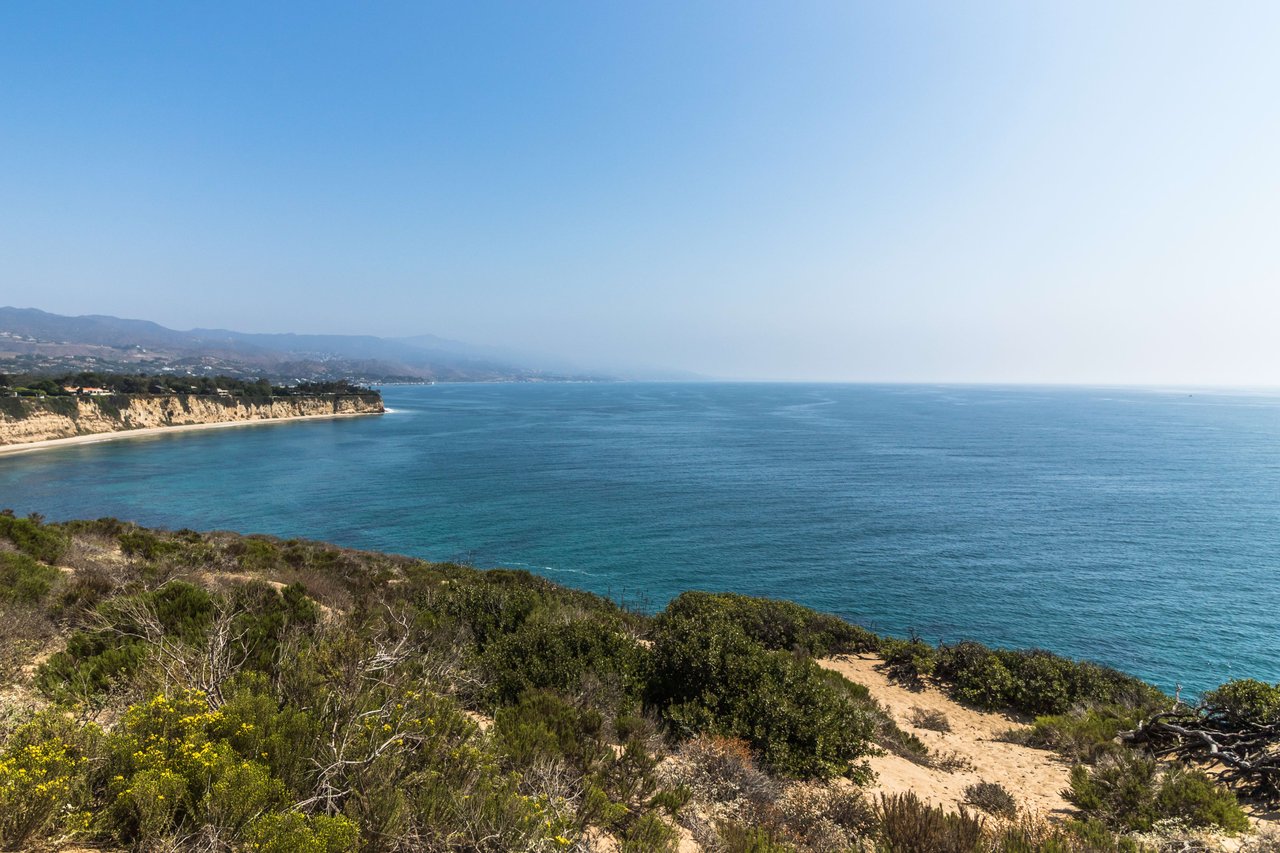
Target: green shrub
[494, 603]
[542, 725]
[283, 737]
[1247, 700]
[94, 661]
[33, 538]
[909, 825]
[976, 675]
[709, 676]
[649, 834]
[1193, 797]
[42, 779]
[160, 763]
[241, 791]
[147, 808]
[23, 580]
[777, 625]
[1129, 792]
[184, 611]
[147, 545]
[543, 654]
[1082, 735]
[1041, 682]
[1045, 683]
[256, 555]
[90, 666]
[1034, 682]
[263, 615]
[908, 661]
[292, 832]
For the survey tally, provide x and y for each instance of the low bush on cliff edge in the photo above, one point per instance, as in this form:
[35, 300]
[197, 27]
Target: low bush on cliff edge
[1032, 682]
[33, 537]
[710, 676]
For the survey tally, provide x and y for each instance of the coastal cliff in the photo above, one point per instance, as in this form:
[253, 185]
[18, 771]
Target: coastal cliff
[26, 420]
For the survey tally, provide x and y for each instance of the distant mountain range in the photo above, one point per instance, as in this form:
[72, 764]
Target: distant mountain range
[37, 341]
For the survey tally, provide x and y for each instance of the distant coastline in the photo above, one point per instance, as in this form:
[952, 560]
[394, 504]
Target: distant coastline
[151, 432]
[52, 413]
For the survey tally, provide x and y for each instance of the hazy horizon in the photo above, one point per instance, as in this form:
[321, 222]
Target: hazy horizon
[994, 193]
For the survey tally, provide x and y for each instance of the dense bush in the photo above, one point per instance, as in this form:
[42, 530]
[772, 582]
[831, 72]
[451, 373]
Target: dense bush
[1247, 700]
[1130, 792]
[1034, 682]
[489, 605]
[1086, 735]
[543, 726]
[147, 545]
[23, 580]
[32, 537]
[777, 625]
[908, 825]
[710, 676]
[545, 654]
[255, 554]
[42, 779]
[293, 832]
[90, 665]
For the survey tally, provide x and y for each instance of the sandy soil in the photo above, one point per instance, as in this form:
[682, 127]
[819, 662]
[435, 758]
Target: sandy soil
[29, 446]
[1035, 777]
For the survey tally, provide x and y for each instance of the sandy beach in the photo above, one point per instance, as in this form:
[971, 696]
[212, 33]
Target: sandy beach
[150, 432]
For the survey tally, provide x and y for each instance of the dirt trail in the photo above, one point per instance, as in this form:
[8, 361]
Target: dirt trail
[1035, 777]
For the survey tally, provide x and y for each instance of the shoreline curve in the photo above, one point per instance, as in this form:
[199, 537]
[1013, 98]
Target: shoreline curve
[145, 432]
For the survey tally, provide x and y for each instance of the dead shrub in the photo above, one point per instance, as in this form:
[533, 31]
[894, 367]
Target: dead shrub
[723, 770]
[992, 797]
[825, 817]
[947, 762]
[925, 718]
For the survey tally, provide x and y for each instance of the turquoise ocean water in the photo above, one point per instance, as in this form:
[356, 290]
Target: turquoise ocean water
[1139, 528]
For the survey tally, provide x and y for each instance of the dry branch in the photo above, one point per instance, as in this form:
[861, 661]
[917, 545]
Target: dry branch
[1248, 752]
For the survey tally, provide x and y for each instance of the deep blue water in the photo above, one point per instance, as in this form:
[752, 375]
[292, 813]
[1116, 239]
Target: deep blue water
[1137, 528]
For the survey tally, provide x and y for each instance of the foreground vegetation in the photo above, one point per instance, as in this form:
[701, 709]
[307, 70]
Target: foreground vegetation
[219, 692]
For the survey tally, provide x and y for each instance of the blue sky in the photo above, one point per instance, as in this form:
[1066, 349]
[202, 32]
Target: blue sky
[1029, 192]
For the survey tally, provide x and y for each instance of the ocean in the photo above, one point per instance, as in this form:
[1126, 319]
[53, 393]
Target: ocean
[1136, 527]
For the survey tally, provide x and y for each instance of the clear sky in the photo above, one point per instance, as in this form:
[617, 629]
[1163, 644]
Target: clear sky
[1021, 191]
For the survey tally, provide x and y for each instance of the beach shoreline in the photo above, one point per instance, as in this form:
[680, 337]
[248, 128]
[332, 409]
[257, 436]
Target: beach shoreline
[148, 432]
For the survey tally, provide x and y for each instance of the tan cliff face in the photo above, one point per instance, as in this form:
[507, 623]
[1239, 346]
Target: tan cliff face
[65, 417]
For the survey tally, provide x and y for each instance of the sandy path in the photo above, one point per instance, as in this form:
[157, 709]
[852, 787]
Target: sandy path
[1035, 777]
[96, 437]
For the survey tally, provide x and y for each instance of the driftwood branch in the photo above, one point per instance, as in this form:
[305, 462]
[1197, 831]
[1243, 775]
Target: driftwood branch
[1247, 751]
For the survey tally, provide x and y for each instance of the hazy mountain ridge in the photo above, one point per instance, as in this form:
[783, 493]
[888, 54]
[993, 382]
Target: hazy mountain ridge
[35, 340]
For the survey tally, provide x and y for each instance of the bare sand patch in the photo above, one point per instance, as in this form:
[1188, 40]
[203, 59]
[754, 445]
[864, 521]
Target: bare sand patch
[1035, 777]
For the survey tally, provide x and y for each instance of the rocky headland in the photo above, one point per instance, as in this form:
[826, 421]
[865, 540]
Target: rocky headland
[25, 420]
